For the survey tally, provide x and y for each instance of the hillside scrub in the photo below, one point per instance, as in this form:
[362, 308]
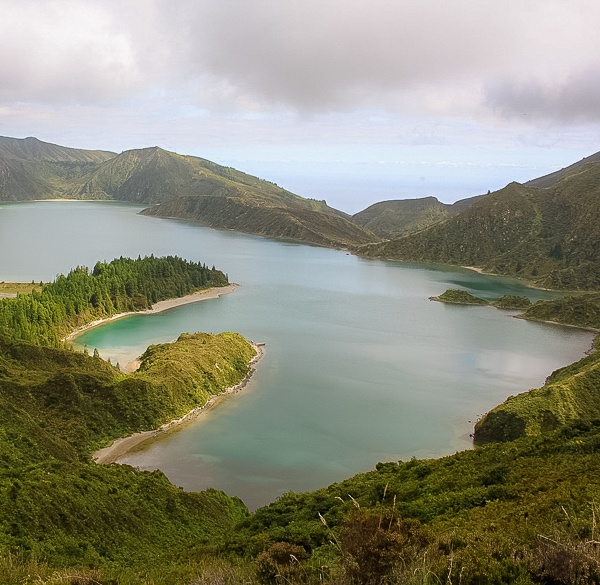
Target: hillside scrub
[549, 237]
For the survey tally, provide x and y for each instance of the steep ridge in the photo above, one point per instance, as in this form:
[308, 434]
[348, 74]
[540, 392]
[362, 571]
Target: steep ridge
[550, 237]
[287, 222]
[186, 187]
[551, 179]
[397, 218]
[32, 169]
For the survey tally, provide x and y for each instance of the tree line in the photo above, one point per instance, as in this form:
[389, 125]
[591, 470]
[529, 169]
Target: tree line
[123, 285]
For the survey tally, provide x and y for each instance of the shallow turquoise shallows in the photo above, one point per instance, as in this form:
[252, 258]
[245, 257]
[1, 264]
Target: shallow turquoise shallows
[359, 367]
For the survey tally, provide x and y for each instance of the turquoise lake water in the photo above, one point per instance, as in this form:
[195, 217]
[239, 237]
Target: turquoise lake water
[359, 366]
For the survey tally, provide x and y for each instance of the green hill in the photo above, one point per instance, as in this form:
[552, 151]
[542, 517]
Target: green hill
[394, 219]
[549, 237]
[569, 395]
[521, 509]
[179, 186]
[57, 506]
[551, 179]
[32, 169]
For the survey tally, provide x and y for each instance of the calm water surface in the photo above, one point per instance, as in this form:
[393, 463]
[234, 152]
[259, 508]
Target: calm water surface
[360, 366]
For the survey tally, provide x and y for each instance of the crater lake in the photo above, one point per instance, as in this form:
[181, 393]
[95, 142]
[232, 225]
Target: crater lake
[359, 366]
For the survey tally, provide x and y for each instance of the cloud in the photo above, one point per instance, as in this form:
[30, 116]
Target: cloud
[428, 56]
[72, 51]
[397, 69]
[572, 100]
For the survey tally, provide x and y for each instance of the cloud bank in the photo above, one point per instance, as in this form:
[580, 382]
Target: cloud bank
[534, 58]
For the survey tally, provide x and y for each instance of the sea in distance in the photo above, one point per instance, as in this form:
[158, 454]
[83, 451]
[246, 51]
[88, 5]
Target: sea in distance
[359, 366]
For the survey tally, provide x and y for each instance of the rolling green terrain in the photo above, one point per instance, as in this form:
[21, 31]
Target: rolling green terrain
[571, 394]
[179, 186]
[59, 509]
[455, 296]
[394, 219]
[521, 509]
[549, 237]
[32, 169]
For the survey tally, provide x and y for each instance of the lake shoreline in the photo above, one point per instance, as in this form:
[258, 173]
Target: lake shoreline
[122, 446]
[201, 295]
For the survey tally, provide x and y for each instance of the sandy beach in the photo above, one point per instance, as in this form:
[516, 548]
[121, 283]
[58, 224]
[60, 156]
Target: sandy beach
[474, 268]
[120, 447]
[201, 295]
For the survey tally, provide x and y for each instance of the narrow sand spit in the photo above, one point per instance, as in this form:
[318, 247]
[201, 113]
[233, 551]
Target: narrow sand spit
[201, 295]
[474, 268]
[121, 446]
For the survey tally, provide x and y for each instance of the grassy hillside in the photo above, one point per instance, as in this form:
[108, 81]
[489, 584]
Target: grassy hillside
[185, 187]
[549, 237]
[56, 406]
[571, 394]
[394, 219]
[32, 169]
[551, 179]
[282, 220]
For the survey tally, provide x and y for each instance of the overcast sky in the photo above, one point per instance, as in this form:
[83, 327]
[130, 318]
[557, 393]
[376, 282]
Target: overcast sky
[349, 100]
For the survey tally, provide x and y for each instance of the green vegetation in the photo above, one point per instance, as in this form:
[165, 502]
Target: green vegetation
[455, 296]
[569, 394]
[59, 509]
[393, 219]
[176, 186]
[459, 297]
[521, 508]
[508, 512]
[120, 286]
[286, 219]
[549, 237]
[18, 288]
[511, 302]
[579, 311]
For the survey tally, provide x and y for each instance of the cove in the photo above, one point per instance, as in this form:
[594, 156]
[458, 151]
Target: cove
[359, 365]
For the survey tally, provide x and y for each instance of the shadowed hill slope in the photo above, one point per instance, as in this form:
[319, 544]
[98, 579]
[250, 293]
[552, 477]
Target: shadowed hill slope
[550, 237]
[32, 169]
[397, 218]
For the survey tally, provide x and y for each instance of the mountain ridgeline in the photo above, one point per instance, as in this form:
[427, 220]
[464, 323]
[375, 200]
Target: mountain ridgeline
[546, 231]
[548, 236]
[521, 508]
[178, 186]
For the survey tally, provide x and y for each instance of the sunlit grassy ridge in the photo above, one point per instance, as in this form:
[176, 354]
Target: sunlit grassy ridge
[548, 236]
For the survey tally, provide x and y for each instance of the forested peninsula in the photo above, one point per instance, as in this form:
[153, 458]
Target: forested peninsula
[124, 285]
[57, 406]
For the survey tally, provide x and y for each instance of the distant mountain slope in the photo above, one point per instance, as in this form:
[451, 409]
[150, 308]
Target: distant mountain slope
[548, 236]
[553, 178]
[393, 219]
[32, 169]
[192, 188]
[288, 222]
[185, 186]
